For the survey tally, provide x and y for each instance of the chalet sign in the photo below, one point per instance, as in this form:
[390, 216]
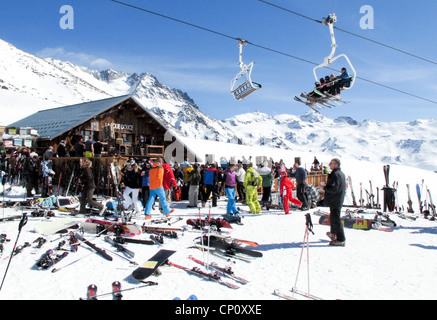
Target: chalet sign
[120, 126]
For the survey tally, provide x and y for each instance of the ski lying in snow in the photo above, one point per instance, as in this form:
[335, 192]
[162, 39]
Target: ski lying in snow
[217, 222]
[150, 266]
[151, 229]
[305, 294]
[122, 240]
[168, 220]
[120, 247]
[231, 247]
[98, 250]
[39, 243]
[210, 276]
[235, 241]
[224, 254]
[116, 291]
[226, 271]
[282, 295]
[117, 228]
[49, 258]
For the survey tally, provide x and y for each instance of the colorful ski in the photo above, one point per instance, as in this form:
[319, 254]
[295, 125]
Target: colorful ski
[226, 271]
[209, 276]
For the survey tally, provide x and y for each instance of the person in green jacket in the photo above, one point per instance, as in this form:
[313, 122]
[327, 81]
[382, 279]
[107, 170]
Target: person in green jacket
[252, 180]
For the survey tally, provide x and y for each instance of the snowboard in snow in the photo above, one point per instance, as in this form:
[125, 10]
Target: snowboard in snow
[50, 227]
[150, 266]
[355, 223]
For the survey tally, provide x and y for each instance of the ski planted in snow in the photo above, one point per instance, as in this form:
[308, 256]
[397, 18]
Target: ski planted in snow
[92, 292]
[116, 291]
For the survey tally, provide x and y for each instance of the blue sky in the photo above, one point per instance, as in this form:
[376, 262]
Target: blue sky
[109, 35]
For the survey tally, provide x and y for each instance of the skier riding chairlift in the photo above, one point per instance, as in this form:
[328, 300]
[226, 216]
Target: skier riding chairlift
[346, 82]
[248, 87]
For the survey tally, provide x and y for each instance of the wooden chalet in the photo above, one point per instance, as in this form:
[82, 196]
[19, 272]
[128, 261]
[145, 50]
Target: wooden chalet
[122, 124]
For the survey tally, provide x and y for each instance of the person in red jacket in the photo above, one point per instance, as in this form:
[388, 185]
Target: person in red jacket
[286, 190]
[167, 181]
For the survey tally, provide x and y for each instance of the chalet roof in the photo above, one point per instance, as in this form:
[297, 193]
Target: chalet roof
[51, 123]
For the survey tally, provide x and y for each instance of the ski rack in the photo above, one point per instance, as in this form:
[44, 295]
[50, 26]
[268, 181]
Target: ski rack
[332, 18]
[248, 87]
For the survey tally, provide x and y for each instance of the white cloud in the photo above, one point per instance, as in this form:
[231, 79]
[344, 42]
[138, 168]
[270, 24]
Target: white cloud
[79, 58]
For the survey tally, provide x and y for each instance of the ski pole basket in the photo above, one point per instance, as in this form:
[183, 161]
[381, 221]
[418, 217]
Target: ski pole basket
[349, 82]
[246, 88]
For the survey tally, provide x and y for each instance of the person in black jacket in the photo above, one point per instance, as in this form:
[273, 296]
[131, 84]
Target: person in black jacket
[87, 180]
[32, 172]
[132, 182]
[334, 196]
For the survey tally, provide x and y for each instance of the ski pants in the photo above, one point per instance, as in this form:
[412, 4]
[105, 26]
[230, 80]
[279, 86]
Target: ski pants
[193, 195]
[167, 193]
[252, 199]
[232, 206]
[87, 197]
[158, 192]
[289, 198]
[132, 199]
[336, 224]
[300, 190]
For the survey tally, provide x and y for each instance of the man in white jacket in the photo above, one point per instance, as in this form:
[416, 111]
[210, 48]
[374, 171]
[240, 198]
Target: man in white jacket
[240, 180]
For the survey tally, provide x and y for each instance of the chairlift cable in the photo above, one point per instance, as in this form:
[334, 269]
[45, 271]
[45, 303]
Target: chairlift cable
[351, 33]
[266, 48]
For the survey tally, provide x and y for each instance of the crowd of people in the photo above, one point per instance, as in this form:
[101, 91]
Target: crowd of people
[144, 180]
[204, 184]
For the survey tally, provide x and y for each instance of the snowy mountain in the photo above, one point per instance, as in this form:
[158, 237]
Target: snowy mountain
[29, 83]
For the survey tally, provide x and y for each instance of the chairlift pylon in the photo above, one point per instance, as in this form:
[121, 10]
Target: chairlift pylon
[332, 18]
[248, 87]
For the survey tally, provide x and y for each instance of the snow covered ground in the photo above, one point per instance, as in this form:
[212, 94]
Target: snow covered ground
[374, 264]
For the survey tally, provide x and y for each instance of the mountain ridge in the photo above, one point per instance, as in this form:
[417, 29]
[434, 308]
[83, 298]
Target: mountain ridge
[29, 83]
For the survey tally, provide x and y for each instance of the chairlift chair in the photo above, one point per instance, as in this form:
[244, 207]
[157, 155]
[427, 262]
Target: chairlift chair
[332, 18]
[243, 90]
